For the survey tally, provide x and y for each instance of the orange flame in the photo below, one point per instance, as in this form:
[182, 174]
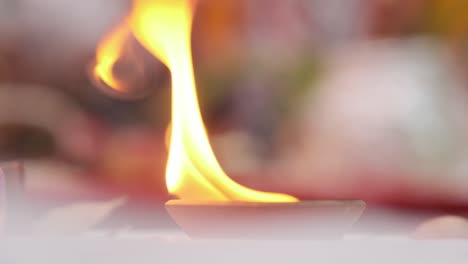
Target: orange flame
[107, 54]
[164, 28]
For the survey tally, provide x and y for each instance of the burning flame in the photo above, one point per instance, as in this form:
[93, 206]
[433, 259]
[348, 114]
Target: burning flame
[164, 28]
[107, 54]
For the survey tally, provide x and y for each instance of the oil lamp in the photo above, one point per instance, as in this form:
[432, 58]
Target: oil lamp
[210, 203]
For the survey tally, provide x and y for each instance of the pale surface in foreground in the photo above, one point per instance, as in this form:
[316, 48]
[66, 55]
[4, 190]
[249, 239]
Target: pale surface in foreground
[133, 250]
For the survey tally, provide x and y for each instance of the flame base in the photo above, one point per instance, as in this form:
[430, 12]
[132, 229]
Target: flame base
[319, 219]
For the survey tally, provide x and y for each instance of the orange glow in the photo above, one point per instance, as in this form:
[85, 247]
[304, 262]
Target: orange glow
[107, 54]
[163, 27]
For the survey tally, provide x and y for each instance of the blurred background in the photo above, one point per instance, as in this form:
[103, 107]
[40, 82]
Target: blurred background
[321, 99]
